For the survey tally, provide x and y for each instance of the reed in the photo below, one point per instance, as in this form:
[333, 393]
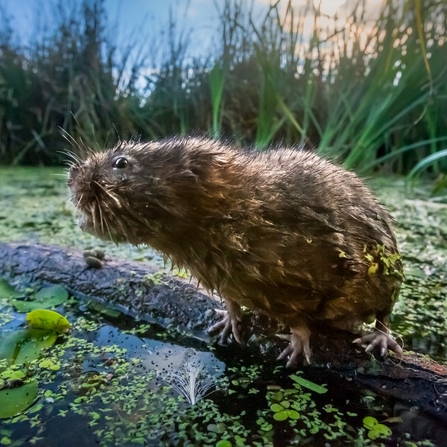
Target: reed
[370, 93]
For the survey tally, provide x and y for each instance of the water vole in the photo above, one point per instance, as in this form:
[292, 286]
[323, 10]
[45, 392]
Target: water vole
[284, 231]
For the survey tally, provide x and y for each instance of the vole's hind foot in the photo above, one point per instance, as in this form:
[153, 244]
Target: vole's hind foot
[380, 341]
[230, 323]
[299, 345]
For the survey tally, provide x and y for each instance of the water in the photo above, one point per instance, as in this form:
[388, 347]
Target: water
[113, 389]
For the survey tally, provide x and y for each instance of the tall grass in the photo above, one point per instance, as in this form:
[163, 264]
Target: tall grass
[372, 93]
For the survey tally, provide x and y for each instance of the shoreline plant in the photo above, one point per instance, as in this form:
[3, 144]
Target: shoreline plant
[370, 92]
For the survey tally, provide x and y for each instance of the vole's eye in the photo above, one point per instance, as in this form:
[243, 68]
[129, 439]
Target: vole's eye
[120, 163]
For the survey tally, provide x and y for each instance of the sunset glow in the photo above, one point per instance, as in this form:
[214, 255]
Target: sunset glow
[329, 7]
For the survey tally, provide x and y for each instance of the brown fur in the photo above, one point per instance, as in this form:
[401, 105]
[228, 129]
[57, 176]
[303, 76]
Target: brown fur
[283, 231]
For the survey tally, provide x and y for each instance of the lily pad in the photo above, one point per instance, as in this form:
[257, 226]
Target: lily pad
[55, 294]
[16, 400]
[47, 320]
[25, 345]
[45, 298]
[8, 291]
[101, 308]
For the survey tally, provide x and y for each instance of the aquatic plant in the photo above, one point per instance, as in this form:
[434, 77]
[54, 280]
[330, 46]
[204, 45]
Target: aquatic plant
[191, 381]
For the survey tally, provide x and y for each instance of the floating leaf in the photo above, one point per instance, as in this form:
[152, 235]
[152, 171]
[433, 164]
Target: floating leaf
[48, 320]
[308, 384]
[56, 293]
[379, 431]
[11, 374]
[49, 364]
[369, 422]
[26, 306]
[376, 430]
[25, 345]
[16, 400]
[6, 290]
[224, 443]
[383, 430]
[276, 407]
[278, 396]
[292, 414]
[107, 311]
[5, 441]
[281, 415]
[46, 297]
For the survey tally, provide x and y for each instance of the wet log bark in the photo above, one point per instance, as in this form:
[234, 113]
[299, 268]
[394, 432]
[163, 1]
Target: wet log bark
[137, 290]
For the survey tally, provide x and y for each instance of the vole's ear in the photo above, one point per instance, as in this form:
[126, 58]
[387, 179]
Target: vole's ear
[188, 173]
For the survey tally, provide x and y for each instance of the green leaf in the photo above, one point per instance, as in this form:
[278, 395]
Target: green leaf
[383, 430]
[373, 434]
[292, 414]
[266, 427]
[49, 364]
[25, 306]
[56, 292]
[308, 384]
[6, 290]
[46, 297]
[16, 400]
[281, 415]
[276, 407]
[12, 374]
[427, 161]
[107, 311]
[48, 320]
[369, 422]
[224, 443]
[52, 295]
[25, 345]
[278, 396]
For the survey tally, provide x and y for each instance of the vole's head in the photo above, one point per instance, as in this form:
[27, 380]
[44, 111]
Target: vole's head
[105, 189]
[137, 190]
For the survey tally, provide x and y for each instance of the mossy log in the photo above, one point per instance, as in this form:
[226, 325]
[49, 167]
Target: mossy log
[140, 292]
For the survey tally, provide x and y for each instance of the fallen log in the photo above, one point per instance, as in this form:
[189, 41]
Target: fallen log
[130, 287]
[141, 292]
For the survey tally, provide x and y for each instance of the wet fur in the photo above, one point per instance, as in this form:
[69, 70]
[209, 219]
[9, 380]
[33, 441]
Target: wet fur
[282, 231]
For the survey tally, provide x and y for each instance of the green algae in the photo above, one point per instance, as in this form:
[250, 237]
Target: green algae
[100, 381]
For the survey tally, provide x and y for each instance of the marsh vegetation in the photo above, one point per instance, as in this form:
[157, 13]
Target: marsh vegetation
[368, 89]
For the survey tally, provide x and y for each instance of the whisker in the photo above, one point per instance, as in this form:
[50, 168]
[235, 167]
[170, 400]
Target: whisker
[110, 194]
[78, 143]
[72, 158]
[93, 214]
[101, 217]
[78, 205]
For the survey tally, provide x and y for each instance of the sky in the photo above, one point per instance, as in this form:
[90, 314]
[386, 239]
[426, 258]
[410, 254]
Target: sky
[137, 15]
[132, 15]
[141, 23]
